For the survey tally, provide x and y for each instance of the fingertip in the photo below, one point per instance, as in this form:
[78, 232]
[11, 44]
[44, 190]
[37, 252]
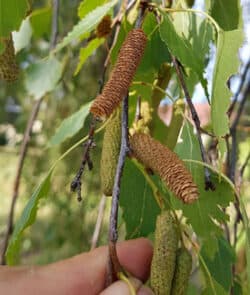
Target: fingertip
[135, 256]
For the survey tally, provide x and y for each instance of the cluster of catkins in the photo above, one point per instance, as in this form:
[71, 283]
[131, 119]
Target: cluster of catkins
[151, 153]
[171, 266]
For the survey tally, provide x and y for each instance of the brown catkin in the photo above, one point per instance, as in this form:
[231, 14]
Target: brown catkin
[167, 164]
[182, 272]
[104, 27]
[8, 66]
[164, 257]
[110, 152]
[122, 75]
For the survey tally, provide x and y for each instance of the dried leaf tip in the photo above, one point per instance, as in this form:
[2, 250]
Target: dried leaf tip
[122, 75]
[104, 27]
[167, 164]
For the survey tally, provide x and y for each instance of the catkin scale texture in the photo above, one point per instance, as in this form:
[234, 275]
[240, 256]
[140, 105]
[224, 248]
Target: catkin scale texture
[166, 163]
[8, 66]
[164, 257]
[110, 152]
[122, 75]
[182, 272]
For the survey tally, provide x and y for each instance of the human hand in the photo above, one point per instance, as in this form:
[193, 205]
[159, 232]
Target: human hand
[82, 274]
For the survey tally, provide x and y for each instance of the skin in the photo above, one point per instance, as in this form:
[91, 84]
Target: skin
[82, 274]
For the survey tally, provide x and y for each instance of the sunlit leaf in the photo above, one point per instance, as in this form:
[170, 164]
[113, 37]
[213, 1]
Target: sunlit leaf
[43, 76]
[227, 14]
[227, 50]
[70, 126]
[86, 6]
[22, 37]
[86, 24]
[183, 49]
[27, 218]
[87, 51]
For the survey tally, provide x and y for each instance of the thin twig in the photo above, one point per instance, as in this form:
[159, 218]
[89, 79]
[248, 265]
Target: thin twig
[138, 115]
[99, 220]
[245, 90]
[115, 266]
[237, 93]
[195, 117]
[243, 167]
[76, 184]
[233, 129]
[54, 26]
[26, 139]
[23, 152]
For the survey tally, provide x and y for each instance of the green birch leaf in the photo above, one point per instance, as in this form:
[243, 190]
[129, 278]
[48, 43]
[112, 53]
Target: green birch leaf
[87, 51]
[87, 24]
[40, 20]
[227, 13]
[137, 202]
[151, 59]
[197, 30]
[88, 5]
[227, 63]
[213, 288]
[220, 266]
[43, 76]
[183, 49]
[12, 12]
[209, 207]
[70, 126]
[27, 218]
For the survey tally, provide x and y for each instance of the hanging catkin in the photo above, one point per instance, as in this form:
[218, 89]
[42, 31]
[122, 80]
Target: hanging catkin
[166, 163]
[164, 257]
[8, 66]
[122, 75]
[110, 152]
[182, 272]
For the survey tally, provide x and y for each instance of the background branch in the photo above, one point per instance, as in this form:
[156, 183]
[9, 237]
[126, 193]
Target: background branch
[99, 220]
[23, 153]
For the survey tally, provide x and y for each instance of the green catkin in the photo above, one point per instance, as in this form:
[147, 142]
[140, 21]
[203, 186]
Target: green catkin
[182, 272]
[164, 257]
[110, 153]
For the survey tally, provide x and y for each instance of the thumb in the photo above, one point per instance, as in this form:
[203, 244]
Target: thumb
[122, 288]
